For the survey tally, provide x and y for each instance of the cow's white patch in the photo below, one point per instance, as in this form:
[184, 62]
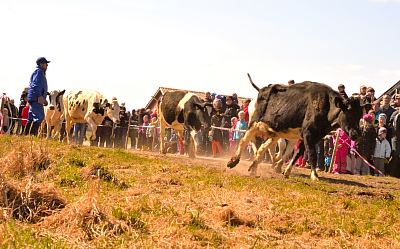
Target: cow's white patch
[291, 133]
[183, 101]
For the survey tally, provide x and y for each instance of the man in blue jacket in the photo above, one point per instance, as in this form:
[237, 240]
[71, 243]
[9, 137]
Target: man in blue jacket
[37, 92]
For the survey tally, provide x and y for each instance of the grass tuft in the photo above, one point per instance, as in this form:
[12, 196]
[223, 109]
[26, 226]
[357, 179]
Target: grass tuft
[23, 161]
[29, 202]
[100, 172]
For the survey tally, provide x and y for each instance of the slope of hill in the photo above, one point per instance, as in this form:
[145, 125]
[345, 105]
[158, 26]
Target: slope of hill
[60, 196]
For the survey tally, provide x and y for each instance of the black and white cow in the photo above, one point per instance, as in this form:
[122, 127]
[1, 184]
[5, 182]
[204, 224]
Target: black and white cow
[182, 110]
[54, 113]
[88, 107]
[306, 111]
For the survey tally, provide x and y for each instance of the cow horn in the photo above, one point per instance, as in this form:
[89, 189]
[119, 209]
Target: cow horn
[252, 83]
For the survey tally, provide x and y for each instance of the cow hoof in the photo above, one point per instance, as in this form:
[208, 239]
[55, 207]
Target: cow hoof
[286, 173]
[233, 162]
[252, 166]
[314, 176]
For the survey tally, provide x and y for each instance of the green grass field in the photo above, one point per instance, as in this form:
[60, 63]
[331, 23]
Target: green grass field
[59, 196]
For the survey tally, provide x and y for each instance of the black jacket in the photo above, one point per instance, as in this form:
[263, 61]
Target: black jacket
[366, 144]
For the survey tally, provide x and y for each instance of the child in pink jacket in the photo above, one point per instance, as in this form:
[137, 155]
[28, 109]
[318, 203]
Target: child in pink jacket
[339, 166]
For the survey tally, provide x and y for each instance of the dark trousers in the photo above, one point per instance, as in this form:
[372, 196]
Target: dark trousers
[105, 140]
[32, 128]
[120, 137]
[133, 135]
[319, 147]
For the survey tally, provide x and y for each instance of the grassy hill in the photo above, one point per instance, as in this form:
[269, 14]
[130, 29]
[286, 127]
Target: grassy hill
[58, 196]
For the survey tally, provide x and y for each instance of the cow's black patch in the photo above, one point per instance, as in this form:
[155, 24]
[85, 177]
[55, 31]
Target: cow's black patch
[193, 114]
[169, 105]
[181, 119]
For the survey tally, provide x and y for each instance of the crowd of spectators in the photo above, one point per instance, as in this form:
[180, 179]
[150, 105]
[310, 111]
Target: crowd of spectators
[138, 129]
[378, 143]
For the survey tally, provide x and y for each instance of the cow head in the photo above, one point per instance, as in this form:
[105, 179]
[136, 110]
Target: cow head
[199, 115]
[104, 108]
[56, 100]
[350, 115]
[112, 109]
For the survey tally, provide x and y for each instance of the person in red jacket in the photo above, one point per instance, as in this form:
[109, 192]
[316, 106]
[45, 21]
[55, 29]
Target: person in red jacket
[246, 109]
[24, 117]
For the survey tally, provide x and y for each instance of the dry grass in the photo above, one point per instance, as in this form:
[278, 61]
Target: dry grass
[175, 202]
[99, 172]
[29, 202]
[84, 220]
[229, 217]
[25, 159]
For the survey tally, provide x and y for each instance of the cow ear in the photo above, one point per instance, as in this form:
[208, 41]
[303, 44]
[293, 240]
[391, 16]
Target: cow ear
[197, 105]
[340, 103]
[61, 93]
[48, 93]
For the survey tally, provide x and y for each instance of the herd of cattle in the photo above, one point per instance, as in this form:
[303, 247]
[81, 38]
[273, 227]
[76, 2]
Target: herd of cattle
[304, 111]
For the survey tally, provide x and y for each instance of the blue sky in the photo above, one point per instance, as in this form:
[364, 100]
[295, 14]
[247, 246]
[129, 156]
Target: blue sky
[129, 48]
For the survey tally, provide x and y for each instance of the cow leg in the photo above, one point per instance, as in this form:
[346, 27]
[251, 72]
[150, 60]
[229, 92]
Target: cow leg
[285, 151]
[297, 154]
[248, 137]
[259, 155]
[162, 135]
[93, 127]
[192, 144]
[48, 130]
[310, 143]
[68, 126]
[56, 129]
[273, 155]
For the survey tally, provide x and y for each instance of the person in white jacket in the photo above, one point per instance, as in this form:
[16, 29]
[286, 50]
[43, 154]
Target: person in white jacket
[382, 150]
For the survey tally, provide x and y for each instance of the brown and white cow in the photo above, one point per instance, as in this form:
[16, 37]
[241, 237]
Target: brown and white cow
[306, 111]
[88, 107]
[182, 110]
[54, 113]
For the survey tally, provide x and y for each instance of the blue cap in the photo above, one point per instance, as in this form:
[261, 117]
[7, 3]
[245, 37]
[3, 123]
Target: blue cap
[41, 60]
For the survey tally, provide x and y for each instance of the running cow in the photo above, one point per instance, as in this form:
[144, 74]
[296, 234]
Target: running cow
[306, 111]
[182, 110]
[88, 107]
[54, 113]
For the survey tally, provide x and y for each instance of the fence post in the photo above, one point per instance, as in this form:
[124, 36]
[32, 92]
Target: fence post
[127, 133]
[334, 151]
